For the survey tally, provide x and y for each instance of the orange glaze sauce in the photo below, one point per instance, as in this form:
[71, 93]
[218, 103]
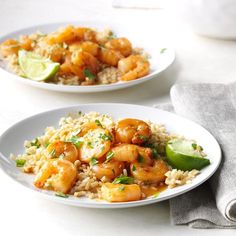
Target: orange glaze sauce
[152, 190]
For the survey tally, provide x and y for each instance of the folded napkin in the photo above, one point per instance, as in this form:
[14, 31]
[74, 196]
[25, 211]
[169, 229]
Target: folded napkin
[143, 4]
[213, 204]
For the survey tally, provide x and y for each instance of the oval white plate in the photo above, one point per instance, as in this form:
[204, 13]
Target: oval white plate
[159, 61]
[12, 142]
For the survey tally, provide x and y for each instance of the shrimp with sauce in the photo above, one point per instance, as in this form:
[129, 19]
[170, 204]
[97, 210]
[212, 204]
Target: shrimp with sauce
[96, 143]
[109, 170]
[132, 131]
[9, 47]
[133, 67]
[109, 56]
[58, 175]
[63, 150]
[149, 173]
[86, 46]
[121, 45]
[121, 192]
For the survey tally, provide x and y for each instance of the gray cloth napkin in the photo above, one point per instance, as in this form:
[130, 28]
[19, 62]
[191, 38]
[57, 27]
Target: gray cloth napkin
[213, 204]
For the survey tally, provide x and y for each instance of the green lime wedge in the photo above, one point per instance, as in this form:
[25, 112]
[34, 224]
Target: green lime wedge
[36, 67]
[185, 155]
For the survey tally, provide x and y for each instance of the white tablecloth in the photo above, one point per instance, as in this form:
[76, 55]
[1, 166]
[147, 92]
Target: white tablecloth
[198, 59]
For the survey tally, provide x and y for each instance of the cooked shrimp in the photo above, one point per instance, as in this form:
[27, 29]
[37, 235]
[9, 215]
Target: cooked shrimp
[9, 47]
[63, 35]
[131, 153]
[85, 34]
[87, 127]
[63, 150]
[132, 131]
[133, 67]
[77, 62]
[154, 173]
[120, 192]
[125, 152]
[96, 143]
[58, 175]
[110, 169]
[26, 43]
[122, 45]
[109, 56]
[85, 60]
[86, 46]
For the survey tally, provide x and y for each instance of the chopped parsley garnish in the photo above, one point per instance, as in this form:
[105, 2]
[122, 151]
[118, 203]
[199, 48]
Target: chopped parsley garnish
[35, 143]
[79, 113]
[154, 150]
[98, 123]
[88, 74]
[154, 153]
[90, 144]
[133, 168]
[46, 144]
[197, 147]
[59, 194]
[123, 179]
[140, 159]
[105, 137]
[143, 137]
[53, 153]
[163, 50]
[109, 156]
[77, 141]
[93, 161]
[20, 162]
[194, 145]
[121, 188]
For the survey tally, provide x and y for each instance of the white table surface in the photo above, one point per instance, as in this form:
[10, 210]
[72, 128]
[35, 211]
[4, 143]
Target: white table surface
[198, 59]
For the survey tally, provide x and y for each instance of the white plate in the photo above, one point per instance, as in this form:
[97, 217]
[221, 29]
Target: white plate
[159, 61]
[12, 142]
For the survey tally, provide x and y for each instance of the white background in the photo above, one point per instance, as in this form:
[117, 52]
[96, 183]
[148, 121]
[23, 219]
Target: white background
[198, 59]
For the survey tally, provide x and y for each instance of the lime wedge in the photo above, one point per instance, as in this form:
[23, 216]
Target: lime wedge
[36, 67]
[185, 155]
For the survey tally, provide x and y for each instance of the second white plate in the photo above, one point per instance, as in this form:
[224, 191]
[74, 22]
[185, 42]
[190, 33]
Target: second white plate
[12, 142]
[160, 59]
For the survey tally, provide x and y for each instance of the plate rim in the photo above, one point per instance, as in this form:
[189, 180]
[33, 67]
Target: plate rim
[107, 205]
[81, 89]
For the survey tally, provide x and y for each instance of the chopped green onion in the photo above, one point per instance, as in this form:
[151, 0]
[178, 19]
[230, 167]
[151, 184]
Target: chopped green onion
[105, 137]
[194, 145]
[144, 138]
[121, 188]
[53, 153]
[93, 161]
[20, 162]
[59, 194]
[77, 141]
[140, 159]
[98, 123]
[90, 144]
[123, 179]
[133, 168]
[109, 156]
[35, 143]
[88, 74]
